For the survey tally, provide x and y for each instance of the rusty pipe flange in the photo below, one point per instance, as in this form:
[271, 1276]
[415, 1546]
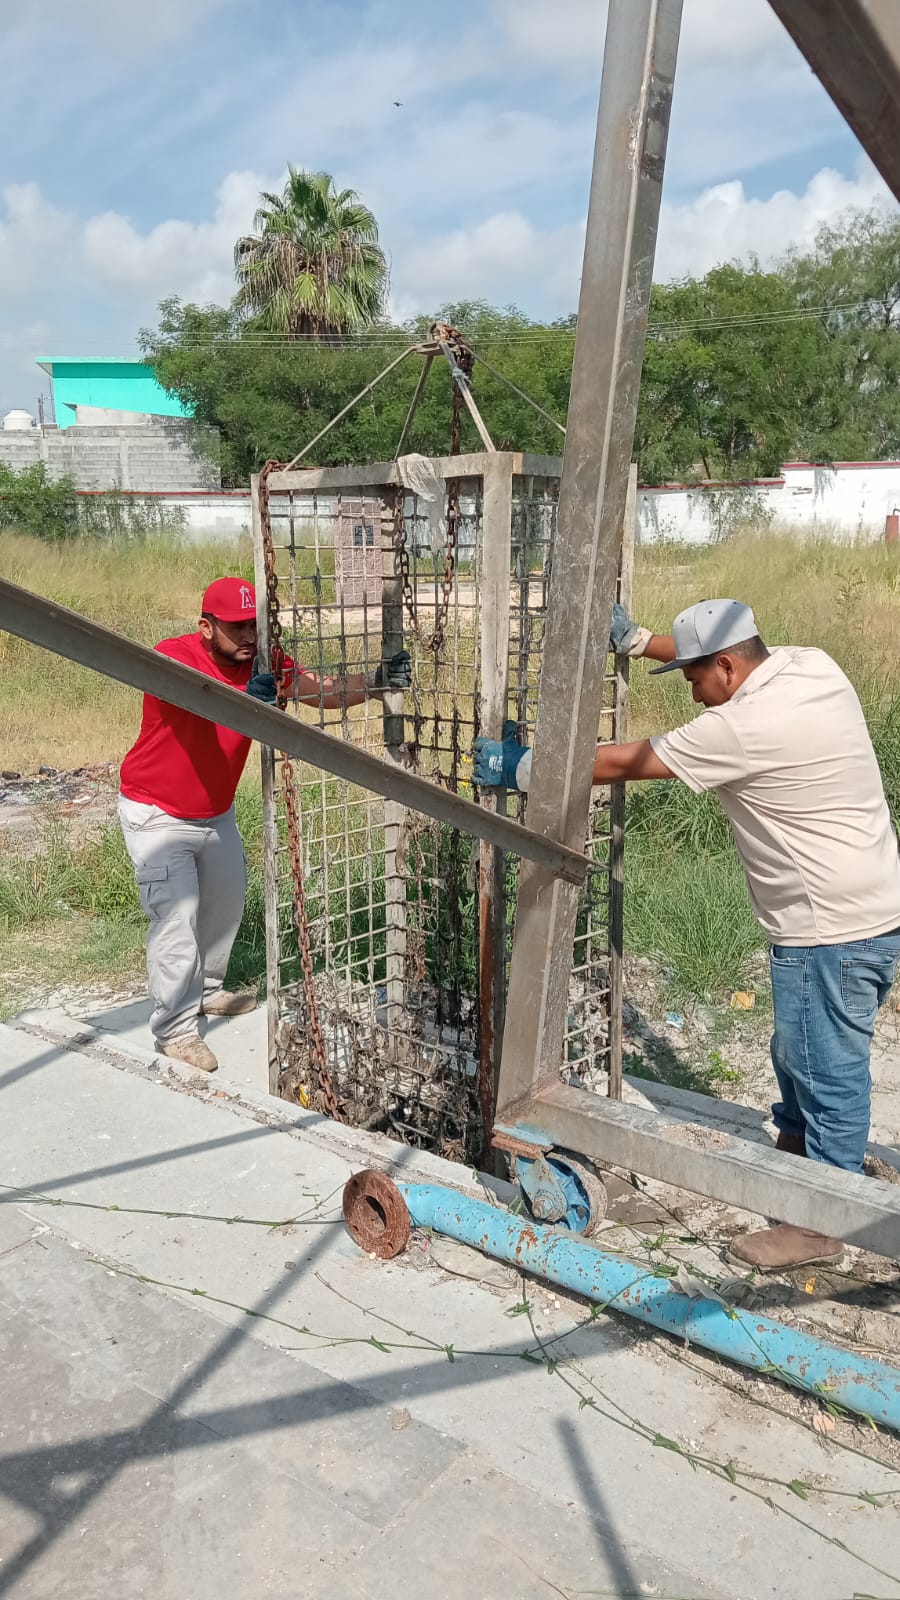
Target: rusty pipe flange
[376, 1214]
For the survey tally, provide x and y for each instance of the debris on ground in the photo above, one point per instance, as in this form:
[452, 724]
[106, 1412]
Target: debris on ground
[85, 796]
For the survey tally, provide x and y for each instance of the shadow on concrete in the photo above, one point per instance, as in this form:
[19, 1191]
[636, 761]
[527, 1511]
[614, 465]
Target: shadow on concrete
[611, 1549]
[56, 1484]
[121, 1019]
[135, 1163]
[46, 1059]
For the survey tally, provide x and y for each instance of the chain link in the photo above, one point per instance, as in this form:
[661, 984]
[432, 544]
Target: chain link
[465, 361]
[402, 567]
[317, 1050]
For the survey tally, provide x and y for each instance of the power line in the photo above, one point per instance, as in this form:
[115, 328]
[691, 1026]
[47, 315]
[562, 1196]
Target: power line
[392, 339]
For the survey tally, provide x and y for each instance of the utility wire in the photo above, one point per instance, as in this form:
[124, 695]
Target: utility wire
[390, 338]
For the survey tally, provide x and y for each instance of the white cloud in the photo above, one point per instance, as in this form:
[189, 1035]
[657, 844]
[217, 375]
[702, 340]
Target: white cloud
[453, 165]
[32, 234]
[113, 25]
[722, 224]
[569, 34]
[507, 258]
[191, 259]
[743, 95]
[503, 259]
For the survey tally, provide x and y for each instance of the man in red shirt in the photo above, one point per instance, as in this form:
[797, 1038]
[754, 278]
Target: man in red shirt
[176, 808]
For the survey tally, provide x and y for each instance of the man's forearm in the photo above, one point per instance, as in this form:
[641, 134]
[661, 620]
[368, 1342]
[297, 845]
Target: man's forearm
[331, 693]
[659, 647]
[627, 763]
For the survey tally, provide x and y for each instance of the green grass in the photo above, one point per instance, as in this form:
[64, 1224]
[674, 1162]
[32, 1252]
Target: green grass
[72, 912]
[690, 911]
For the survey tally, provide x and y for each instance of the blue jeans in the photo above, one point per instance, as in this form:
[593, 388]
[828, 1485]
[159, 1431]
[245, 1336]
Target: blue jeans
[826, 998]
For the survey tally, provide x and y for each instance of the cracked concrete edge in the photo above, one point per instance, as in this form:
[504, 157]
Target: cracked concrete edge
[357, 1146]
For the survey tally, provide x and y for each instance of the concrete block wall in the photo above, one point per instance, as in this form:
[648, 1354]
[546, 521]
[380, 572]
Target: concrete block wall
[154, 455]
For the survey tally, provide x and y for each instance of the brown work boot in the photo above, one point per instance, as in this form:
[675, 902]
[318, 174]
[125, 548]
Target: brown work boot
[793, 1144]
[223, 1004]
[191, 1050]
[776, 1249]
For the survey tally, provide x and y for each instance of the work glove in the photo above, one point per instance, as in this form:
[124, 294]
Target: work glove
[622, 631]
[496, 762]
[261, 685]
[394, 673]
[627, 637]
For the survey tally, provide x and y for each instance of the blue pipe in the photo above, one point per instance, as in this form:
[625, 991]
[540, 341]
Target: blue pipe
[869, 1387]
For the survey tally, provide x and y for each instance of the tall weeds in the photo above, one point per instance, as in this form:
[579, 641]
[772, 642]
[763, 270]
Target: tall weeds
[686, 902]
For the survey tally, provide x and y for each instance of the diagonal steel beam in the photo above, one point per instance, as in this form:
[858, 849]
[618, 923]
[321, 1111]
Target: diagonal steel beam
[853, 47]
[632, 129]
[53, 627]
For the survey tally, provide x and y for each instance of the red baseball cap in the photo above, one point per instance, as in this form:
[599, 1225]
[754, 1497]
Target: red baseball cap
[231, 600]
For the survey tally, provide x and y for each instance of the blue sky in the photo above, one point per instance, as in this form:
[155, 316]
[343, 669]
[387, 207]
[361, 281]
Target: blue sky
[136, 135]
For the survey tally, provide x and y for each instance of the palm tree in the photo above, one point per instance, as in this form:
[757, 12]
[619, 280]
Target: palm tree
[313, 265]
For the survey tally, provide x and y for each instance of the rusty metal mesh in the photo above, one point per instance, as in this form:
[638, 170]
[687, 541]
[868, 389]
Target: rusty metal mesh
[391, 896]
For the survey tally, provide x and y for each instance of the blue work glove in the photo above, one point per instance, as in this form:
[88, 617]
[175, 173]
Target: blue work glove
[622, 630]
[394, 673]
[261, 685]
[496, 760]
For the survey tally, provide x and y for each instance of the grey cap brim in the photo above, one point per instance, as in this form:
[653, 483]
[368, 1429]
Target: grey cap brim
[676, 665]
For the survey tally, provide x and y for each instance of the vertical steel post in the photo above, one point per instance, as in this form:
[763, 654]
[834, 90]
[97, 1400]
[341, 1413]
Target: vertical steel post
[617, 813]
[269, 799]
[629, 157]
[496, 563]
[394, 750]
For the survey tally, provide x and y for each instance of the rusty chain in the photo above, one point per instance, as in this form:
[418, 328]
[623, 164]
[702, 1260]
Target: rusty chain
[317, 1050]
[402, 567]
[443, 334]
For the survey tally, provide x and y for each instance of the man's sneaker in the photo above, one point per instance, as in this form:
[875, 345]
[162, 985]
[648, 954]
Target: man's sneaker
[222, 1004]
[777, 1249]
[192, 1051]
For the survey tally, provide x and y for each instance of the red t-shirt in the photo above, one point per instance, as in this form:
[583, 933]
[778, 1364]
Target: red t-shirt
[180, 762]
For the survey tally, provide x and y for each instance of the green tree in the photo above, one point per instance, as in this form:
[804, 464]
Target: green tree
[852, 279]
[313, 265]
[731, 377]
[267, 398]
[32, 503]
[743, 369]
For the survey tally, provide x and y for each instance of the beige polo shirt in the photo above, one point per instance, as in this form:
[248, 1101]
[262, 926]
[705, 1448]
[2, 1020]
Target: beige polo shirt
[792, 762]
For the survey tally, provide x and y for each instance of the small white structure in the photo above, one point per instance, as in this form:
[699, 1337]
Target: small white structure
[18, 421]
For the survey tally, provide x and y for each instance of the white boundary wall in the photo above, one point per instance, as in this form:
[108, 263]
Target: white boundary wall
[845, 502]
[208, 513]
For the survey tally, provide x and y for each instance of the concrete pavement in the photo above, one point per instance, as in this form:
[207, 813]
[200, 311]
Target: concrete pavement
[161, 1442]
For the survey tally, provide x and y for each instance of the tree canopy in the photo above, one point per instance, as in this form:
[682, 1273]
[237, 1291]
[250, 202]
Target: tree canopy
[314, 264]
[743, 369]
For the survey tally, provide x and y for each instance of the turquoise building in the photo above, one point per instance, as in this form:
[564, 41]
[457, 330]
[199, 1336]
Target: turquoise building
[107, 384]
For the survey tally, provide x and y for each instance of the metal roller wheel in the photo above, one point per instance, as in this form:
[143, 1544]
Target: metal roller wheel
[571, 1196]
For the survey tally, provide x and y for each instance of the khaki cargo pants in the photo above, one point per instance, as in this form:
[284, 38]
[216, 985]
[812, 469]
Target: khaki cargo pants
[192, 878]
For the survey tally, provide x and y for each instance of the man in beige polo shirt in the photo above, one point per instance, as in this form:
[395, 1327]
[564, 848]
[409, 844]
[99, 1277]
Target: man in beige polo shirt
[784, 743]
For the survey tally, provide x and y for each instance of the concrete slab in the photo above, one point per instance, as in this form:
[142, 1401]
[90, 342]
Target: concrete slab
[111, 1491]
[515, 1543]
[366, 1410]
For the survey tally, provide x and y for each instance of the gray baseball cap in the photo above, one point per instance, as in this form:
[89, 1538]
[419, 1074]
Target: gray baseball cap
[707, 628]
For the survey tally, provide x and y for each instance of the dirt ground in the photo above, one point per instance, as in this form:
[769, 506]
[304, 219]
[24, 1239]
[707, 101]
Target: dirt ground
[82, 800]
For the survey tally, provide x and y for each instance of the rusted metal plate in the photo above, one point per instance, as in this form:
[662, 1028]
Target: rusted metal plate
[376, 1215]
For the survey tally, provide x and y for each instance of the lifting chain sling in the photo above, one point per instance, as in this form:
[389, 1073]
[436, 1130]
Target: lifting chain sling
[317, 1050]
